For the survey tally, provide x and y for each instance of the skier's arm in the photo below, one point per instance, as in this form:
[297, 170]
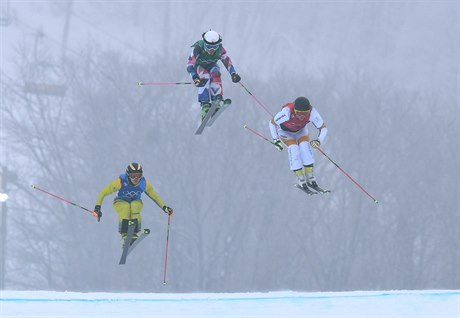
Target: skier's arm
[279, 118]
[109, 189]
[322, 133]
[317, 120]
[227, 61]
[273, 129]
[153, 195]
[196, 50]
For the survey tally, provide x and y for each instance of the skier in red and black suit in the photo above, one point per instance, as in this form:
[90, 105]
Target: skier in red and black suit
[289, 126]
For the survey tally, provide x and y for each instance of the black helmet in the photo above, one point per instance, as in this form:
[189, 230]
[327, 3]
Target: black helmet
[134, 167]
[302, 104]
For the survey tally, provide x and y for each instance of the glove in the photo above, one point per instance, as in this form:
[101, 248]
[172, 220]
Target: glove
[168, 210]
[315, 143]
[97, 209]
[235, 78]
[278, 144]
[197, 81]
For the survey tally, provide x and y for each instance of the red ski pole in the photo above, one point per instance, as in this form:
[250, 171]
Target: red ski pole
[62, 199]
[166, 252]
[343, 171]
[255, 98]
[258, 134]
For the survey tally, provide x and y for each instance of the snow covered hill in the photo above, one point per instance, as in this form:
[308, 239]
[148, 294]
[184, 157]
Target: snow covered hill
[394, 304]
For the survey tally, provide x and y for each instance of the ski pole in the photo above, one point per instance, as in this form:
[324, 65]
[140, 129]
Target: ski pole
[343, 171]
[166, 252]
[62, 199]
[163, 83]
[258, 134]
[255, 98]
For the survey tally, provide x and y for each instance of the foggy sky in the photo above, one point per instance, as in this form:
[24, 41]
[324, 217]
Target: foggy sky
[383, 75]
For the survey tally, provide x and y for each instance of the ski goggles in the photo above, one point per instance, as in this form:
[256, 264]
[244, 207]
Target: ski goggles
[210, 47]
[135, 175]
[301, 113]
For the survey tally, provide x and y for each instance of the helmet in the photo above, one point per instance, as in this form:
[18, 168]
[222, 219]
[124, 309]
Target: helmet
[134, 172]
[134, 167]
[302, 104]
[211, 37]
[212, 41]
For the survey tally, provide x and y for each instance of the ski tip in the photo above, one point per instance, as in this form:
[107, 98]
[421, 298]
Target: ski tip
[376, 201]
[164, 283]
[245, 126]
[140, 83]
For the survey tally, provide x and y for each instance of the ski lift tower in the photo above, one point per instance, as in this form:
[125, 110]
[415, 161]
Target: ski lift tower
[45, 77]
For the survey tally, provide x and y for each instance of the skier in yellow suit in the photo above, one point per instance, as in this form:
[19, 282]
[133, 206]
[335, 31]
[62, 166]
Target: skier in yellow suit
[128, 203]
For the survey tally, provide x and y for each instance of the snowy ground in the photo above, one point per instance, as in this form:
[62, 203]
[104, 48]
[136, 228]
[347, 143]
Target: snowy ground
[394, 304]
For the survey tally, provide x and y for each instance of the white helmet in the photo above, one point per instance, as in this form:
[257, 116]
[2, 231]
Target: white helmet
[212, 37]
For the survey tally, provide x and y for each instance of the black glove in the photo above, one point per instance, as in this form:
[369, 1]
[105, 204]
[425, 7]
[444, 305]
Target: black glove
[278, 144]
[197, 81]
[168, 210]
[235, 78]
[97, 209]
[315, 143]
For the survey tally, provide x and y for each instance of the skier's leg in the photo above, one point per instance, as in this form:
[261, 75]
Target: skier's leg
[295, 162]
[308, 161]
[294, 157]
[124, 229]
[215, 82]
[123, 211]
[204, 97]
[136, 208]
[203, 92]
[306, 154]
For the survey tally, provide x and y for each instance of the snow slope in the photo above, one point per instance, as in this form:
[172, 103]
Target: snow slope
[394, 304]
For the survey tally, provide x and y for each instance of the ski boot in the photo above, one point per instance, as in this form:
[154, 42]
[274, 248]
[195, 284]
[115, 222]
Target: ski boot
[205, 106]
[133, 238]
[312, 184]
[302, 183]
[218, 100]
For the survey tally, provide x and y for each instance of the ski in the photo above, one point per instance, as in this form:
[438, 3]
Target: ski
[144, 234]
[208, 115]
[219, 111]
[306, 190]
[127, 243]
[317, 188]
